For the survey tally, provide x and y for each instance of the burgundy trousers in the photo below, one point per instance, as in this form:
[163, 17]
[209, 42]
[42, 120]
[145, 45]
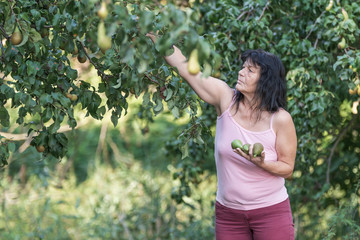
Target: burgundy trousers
[269, 223]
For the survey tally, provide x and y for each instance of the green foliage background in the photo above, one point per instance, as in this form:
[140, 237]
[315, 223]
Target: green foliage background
[166, 116]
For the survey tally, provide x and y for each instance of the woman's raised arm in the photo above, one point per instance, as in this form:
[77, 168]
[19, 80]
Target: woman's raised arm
[212, 90]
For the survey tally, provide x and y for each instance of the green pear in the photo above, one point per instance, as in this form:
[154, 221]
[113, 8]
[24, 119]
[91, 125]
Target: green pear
[103, 12]
[330, 5]
[40, 148]
[236, 144]
[103, 40]
[81, 57]
[16, 37]
[257, 149]
[345, 14]
[245, 148]
[342, 44]
[193, 64]
[75, 50]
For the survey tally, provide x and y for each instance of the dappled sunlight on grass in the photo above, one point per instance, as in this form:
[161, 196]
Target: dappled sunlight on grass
[123, 203]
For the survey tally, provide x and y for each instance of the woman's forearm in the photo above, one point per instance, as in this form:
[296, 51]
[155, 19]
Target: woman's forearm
[277, 168]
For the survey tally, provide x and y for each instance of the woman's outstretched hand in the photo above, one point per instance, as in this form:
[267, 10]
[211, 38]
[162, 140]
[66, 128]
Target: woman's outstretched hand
[152, 36]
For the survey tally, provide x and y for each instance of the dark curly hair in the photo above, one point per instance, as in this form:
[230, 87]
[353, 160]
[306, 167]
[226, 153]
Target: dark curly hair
[270, 93]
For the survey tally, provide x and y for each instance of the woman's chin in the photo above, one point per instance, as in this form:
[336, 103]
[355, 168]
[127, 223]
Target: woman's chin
[238, 87]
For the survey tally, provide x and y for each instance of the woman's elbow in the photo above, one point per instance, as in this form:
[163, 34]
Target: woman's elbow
[288, 175]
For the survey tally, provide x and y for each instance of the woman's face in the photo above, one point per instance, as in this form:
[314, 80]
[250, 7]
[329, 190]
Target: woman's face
[248, 78]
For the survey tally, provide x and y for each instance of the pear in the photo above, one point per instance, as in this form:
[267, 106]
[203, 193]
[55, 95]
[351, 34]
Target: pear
[40, 148]
[74, 97]
[102, 12]
[345, 14]
[236, 144]
[68, 95]
[103, 40]
[257, 149]
[75, 50]
[81, 57]
[330, 5]
[245, 148]
[342, 44]
[217, 74]
[16, 37]
[193, 64]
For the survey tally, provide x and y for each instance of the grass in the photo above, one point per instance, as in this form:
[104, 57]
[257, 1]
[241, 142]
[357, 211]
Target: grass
[123, 203]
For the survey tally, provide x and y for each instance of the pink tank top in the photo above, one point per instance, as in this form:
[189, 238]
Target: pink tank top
[241, 184]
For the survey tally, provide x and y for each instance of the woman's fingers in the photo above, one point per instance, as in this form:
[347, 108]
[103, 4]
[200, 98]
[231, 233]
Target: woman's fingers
[241, 153]
[152, 36]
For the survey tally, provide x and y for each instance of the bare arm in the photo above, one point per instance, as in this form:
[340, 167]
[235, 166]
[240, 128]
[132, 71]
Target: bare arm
[212, 90]
[286, 144]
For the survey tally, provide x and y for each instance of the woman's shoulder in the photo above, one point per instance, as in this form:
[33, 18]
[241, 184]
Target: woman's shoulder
[282, 118]
[282, 113]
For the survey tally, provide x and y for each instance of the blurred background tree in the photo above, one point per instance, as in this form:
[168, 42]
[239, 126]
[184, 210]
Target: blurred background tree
[70, 68]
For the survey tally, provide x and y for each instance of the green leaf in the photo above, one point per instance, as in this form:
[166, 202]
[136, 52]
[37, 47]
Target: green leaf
[56, 19]
[46, 115]
[231, 46]
[11, 146]
[62, 139]
[184, 150]
[118, 85]
[198, 139]
[168, 94]
[32, 67]
[4, 117]
[8, 91]
[64, 101]
[175, 112]
[45, 99]
[158, 106]
[30, 103]
[146, 98]
[71, 73]
[207, 70]
[204, 49]
[114, 118]
[34, 35]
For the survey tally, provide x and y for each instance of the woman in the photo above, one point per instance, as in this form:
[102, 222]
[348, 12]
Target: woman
[251, 200]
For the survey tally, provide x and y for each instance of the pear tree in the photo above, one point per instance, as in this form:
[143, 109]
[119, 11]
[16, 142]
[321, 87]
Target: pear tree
[318, 42]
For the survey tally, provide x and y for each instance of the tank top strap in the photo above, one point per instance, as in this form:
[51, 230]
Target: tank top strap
[232, 101]
[271, 120]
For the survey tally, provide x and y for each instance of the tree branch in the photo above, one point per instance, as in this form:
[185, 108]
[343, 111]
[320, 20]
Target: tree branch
[152, 80]
[241, 15]
[103, 75]
[316, 42]
[4, 33]
[24, 136]
[341, 135]
[263, 11]
[313, 26]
